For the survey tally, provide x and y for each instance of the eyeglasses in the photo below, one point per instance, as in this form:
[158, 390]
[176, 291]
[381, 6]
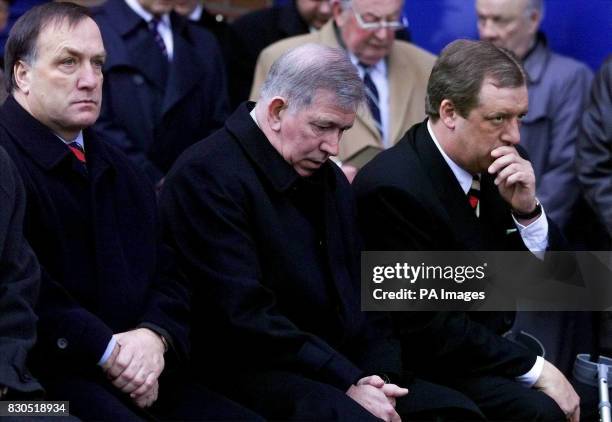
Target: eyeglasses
[379, 23]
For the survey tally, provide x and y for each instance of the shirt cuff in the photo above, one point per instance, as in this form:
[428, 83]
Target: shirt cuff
[535, 235]
[108, 351]
[530, 378]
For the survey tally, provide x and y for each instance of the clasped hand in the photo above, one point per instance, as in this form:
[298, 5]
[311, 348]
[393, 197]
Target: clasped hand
[135, 365]
[377, 397]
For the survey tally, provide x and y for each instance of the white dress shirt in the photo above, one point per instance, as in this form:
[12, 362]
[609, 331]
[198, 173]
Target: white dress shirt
[196, 14]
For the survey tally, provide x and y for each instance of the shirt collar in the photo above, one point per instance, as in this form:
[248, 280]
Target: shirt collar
[78, 140]
[144, 14]
[378, 67]
[197, 12]
[463, 177]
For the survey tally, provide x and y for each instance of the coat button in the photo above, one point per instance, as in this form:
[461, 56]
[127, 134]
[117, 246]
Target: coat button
[62, 343]
[138, 79]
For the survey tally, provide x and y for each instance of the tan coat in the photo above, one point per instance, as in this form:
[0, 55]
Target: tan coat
[408, 68]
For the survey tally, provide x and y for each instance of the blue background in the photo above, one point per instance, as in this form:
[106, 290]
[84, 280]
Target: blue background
[578, 28]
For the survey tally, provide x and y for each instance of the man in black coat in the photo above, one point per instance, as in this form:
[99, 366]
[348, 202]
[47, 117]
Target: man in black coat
[253, 32]
[264, 225]
[19, 282]
[457, 182]
[164, 83]
[113, 328]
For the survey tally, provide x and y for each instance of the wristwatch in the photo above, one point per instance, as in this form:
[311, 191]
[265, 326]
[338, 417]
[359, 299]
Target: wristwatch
[529, 215]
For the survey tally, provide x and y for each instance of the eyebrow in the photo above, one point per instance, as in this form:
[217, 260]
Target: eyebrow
[74, 52]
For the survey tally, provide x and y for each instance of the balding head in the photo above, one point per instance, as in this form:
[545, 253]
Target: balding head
[511, 24]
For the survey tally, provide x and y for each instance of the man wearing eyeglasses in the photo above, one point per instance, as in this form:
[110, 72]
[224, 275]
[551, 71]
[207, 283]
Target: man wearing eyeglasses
[395, 72]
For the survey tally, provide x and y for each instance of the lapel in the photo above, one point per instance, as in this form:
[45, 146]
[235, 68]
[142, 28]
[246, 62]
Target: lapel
[401, 87]
[187, 66]
[452, 203]
[140, 52]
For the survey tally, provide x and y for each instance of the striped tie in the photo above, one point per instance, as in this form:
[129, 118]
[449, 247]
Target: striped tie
[153, 24]
[78, 151]
[474, 194]
[372, 97]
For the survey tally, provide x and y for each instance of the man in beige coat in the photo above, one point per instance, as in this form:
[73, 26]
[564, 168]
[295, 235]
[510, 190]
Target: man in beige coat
[399, 70]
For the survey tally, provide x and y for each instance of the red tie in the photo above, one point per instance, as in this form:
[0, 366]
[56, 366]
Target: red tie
[474, 195]
[78, 151]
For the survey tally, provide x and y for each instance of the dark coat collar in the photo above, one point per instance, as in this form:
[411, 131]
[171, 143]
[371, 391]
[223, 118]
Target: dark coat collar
[263, 155]
[537, 59]
[42, 145]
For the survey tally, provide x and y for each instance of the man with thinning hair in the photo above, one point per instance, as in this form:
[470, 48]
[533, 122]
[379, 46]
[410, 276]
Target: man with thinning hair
[264, 225]
[394, 72]
[113, 327]
[458, 182]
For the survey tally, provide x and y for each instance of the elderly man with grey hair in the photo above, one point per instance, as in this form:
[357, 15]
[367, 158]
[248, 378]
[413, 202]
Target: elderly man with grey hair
[395, 73]
[264, 226]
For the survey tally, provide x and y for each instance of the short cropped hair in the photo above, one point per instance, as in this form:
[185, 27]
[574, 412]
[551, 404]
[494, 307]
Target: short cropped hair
[460, 70]
[21, 43]
[299, 73]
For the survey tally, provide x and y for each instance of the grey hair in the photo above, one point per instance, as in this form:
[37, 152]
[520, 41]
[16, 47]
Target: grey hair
[299, 73]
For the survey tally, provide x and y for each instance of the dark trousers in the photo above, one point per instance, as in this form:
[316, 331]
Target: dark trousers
[504, 399]
[283, 395]
[95, 398]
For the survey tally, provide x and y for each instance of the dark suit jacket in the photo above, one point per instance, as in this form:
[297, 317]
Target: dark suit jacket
[149, 110]
[275, 260]
[95, 235]
[409, 199]
[19, 283]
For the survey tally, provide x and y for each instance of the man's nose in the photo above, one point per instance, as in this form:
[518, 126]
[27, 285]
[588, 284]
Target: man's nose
[512, 134]
[488, 30]
[89, 77]
[331, 145]
[325, 8]
[384, 34]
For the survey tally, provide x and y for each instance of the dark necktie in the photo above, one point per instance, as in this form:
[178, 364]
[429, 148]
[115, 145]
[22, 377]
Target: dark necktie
[153, 24]
[372, 97]
[474, 195]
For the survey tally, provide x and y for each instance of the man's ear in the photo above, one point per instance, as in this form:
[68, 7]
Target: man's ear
[535, 17]
[276, 107]
[21, 72]
[448, 113]
[338, 14]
